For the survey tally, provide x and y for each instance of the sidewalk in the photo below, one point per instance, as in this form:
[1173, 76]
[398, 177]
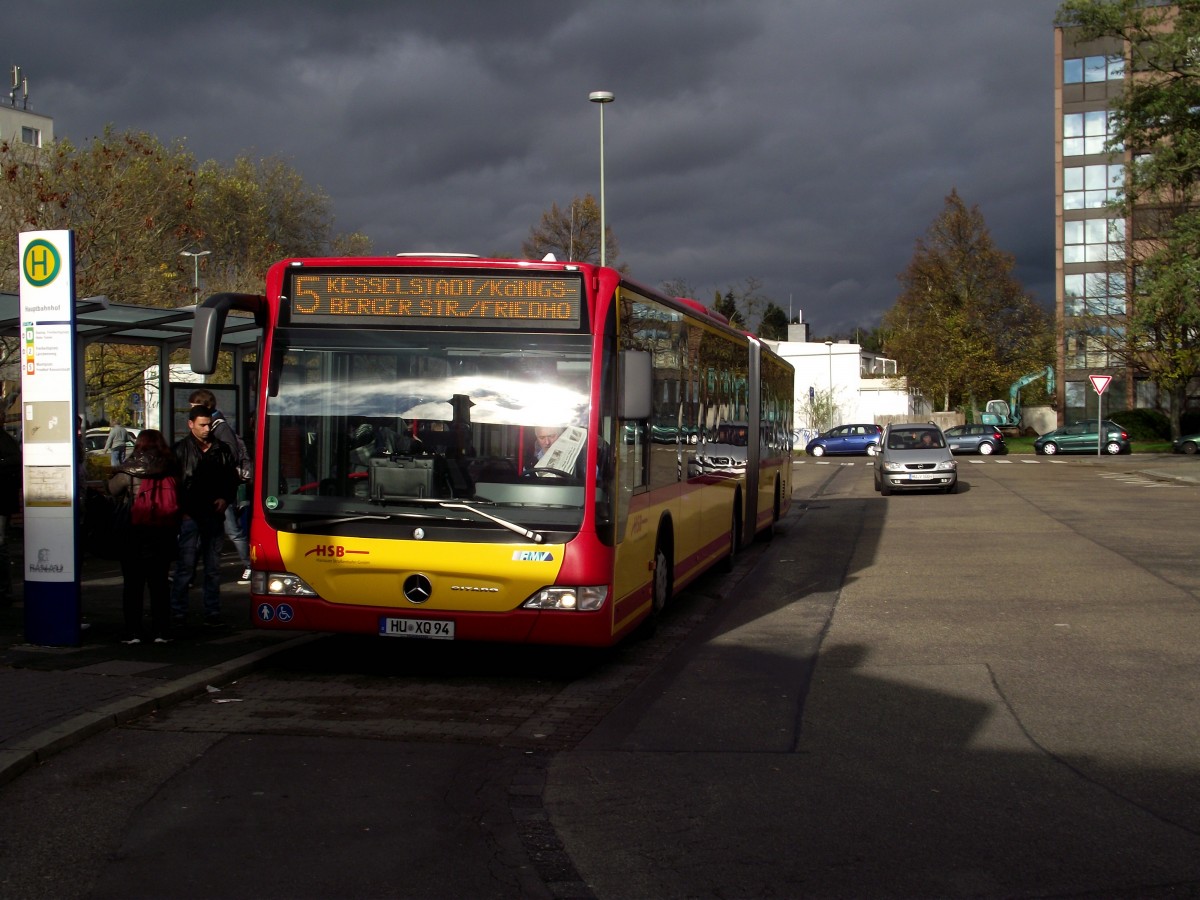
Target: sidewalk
[54, 697]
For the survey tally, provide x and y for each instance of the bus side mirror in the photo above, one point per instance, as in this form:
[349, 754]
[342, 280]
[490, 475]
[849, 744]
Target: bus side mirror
[637, 380]
[209, 326]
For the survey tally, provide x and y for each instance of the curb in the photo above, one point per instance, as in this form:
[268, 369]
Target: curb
[23, 755]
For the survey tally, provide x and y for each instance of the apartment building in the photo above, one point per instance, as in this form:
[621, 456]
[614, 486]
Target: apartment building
[1091, 241]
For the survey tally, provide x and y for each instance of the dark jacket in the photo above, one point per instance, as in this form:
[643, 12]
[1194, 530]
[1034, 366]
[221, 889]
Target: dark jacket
[142, 540]
[10, 474]
[127, 477]
[204, 477]
[223, 431]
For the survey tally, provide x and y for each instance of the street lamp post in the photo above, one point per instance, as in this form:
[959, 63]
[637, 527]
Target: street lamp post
[829, 350]
[195, 255]
[602, 97]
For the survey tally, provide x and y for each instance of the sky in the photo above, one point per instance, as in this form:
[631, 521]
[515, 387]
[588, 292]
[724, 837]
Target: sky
[805, 144]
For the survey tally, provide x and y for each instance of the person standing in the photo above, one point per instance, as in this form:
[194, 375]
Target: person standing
[223, 431]
[149, 548]
[114, 444]
[208, 486]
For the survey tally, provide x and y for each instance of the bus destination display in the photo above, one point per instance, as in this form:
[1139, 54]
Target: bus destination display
[446, 301]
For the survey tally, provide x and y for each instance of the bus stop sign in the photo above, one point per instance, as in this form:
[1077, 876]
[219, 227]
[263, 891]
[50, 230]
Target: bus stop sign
[1100, 382]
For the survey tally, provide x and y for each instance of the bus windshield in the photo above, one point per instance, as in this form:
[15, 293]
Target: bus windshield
[380, 426]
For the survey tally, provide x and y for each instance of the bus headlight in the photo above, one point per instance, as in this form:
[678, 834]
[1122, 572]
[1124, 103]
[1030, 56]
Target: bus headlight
[586, 597]
[280, 584]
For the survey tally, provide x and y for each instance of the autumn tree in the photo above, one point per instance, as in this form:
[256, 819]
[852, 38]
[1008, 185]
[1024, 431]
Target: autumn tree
[571, 233]
[252, 214]
[134, 204]
[1154, 120]
[963, 328]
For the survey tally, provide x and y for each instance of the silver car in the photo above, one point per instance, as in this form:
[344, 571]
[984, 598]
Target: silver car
[914, 457]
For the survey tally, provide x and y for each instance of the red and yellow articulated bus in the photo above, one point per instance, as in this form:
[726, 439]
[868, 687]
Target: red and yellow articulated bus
[460, 448]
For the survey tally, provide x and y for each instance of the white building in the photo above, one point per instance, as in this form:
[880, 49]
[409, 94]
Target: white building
[19, 125]
[863, 385]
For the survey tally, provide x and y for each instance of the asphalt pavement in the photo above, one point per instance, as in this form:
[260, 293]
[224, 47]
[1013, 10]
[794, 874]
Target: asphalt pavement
[54, 697]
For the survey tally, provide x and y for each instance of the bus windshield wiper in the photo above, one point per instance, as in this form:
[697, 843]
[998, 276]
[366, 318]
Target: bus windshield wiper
[534, 536]
[341, 520]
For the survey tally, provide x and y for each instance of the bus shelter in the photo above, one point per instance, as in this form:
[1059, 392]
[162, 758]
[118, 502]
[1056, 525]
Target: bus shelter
[98, 320]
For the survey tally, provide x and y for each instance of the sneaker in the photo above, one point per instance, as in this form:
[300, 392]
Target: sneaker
[213, 622]
[162, 640]
[245, 579]
[132, 641]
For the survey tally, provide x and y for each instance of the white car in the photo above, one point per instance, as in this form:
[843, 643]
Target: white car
[94, 440]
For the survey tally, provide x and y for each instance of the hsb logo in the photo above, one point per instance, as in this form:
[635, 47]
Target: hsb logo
[333, 551]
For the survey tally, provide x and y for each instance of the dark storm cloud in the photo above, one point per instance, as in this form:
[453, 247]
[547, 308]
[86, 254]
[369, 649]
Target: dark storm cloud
[804, 144]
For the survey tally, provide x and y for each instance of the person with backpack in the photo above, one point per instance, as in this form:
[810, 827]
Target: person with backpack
[148, 482]
[223, 431]
[208, 483]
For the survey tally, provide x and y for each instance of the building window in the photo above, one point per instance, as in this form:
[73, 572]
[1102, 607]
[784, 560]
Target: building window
[1093, 69]
[1094, 294]
[32, 136]
[1094, 240]
[1087, 133]
[1090, 349]
[1092, 187]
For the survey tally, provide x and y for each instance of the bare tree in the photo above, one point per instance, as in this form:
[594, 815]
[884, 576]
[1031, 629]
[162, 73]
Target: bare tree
[571, 233]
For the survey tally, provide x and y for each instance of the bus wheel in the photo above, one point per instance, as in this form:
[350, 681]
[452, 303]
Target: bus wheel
[735, 541]
[662, 580]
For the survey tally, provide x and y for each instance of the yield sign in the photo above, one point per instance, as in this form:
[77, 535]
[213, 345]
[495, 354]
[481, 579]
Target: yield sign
[1100, 382]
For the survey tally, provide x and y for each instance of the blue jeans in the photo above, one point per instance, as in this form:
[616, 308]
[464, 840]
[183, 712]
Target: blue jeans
[237, 535]
[205, 539]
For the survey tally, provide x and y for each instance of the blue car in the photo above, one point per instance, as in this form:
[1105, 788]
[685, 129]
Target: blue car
[846, 439]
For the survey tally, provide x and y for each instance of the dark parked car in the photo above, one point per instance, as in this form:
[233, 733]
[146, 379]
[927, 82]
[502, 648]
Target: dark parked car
[981, 439]
[1188, 444]
[1083, 437]
[914, 456]
[846, 439]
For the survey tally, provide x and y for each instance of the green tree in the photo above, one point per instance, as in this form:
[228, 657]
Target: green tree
[749, 300]
[726, 305]
[1155, 120]
[571, 233]
[774, 325]
[963, 327]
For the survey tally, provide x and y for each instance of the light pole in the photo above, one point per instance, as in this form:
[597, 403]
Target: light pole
[829, 350]
[602, 97]
[195, 255]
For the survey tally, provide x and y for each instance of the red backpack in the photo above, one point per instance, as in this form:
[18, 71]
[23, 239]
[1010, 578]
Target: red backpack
[157, 503]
